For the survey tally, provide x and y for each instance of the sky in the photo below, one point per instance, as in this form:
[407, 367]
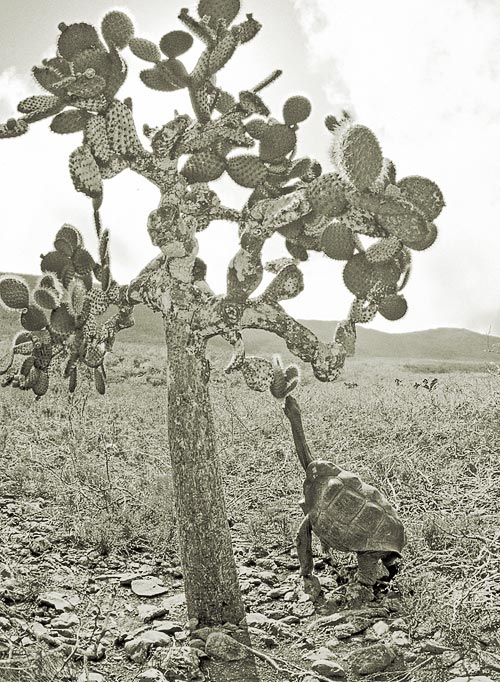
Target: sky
[424, 75]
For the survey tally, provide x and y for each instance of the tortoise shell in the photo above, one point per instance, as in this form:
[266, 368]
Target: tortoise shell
[348, 514]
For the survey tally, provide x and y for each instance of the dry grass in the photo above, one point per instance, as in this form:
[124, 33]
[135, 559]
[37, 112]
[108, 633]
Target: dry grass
[102, 464]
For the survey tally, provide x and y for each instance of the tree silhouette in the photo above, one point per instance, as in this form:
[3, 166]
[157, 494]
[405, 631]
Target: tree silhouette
[329, 212]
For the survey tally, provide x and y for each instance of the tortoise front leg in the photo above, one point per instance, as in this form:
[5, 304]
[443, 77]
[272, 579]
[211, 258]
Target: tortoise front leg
[304, 547]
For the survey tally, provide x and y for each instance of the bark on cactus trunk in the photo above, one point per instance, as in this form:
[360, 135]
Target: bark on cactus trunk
[210, 576]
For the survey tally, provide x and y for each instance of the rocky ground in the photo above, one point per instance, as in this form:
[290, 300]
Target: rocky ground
[68, 613]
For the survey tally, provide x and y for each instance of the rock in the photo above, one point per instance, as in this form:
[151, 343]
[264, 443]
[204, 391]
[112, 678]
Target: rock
[197, 644]
[151, 675]
[303, 609]
[311, 586]
[466, 668]
[38, 629]
[278, 592]
[4, 623]
[371, 659]
[266, 563]
[332, 643]
[93, 652]
[65, 621]
[222, 646]
[399, 624]
[174, 601]
[400, 638]
[320, 654]
[268, 577]
[38, 546]
[169, 627]
[148, 587]
[490, 660]
[380, 628]
[449, 658]
[59, 601]
[328, 668]
[352, 627]
[276, 614]
[474, 678]
[149, 612]
[432, 647]
[137, 649]
[91, 677]
[254, 618]
[290, 620]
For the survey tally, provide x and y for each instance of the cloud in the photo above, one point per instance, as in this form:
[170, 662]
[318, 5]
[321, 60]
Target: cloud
[13, 88]
[425, 77]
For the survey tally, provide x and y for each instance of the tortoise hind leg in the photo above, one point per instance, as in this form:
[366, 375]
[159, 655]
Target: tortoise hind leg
[304, 547]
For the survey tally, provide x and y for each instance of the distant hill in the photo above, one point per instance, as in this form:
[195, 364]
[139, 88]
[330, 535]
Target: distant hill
[432, 344]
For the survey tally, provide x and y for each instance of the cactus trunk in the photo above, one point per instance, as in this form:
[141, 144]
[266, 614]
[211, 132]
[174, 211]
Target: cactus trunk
[210, 576]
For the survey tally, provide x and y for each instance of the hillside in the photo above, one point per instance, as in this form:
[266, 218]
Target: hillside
[432, 344]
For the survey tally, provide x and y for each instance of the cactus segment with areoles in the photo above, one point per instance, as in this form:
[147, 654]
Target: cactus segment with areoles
[203, 167]
[393, 307]
[288, 283]
[296, 109]
[175, 43]
[327, 195]
[71, 121]
[337, 241]
[246, 170]
[357, 154]
[34, 319]
[424, 194]
[219, 9]
[117, 29]
[145, 49]
[14, 293]
[258, 373]
[85, 172]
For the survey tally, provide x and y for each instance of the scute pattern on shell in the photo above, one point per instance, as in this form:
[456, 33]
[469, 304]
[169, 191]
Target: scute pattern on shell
[348, 514]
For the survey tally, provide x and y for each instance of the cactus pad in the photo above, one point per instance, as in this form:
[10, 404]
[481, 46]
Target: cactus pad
[145, 49]
[258, 373]
[337, 241]
[221, 53]
[82, 261]
[288, 283]
[424, 241]
[203, 167]
[34, 319]
[407, 223]
[55, 262]
[14, 293]
[327, 195]
[120, 126]
[383, 250]
[62, 321]
[246, 170]
[296, 109]
[357, 154]
[40, 104]
[393, 307]
[13, 128]
[276, 141]
[175, 43]
[156, 79]
[85, 173]
[117, 29]
[424, 194]
[71, 121]
[248, 29]
[76, 38]
[219, 9]
[46, 298]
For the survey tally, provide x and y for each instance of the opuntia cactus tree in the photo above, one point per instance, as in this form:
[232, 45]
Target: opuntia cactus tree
[226, 133]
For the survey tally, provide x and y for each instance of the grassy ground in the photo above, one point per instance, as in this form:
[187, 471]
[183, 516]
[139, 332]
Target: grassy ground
[432, 448]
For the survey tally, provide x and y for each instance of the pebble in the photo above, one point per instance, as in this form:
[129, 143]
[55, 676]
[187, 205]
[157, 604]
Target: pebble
[303, 609]
[90, 677]
[169, 627]
[465, 668]
[151, 675]
[254, 618]
[380, 628]
[399, 624]
[278, 592]
[449, 658]
[222, 646]
[432, 647]
[328, 668]
[371, 659]
[138, 649]
[400, 638]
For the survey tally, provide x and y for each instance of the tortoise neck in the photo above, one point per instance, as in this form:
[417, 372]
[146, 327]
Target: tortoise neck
[292, 411]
